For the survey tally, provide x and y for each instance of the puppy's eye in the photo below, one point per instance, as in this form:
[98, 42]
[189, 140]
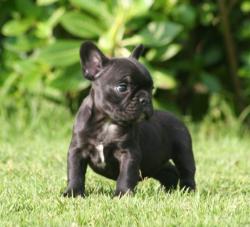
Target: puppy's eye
[122, 87]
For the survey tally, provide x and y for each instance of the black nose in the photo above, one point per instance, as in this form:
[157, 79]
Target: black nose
[143, 101]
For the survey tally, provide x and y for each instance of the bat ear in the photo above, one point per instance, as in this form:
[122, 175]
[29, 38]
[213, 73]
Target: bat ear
[137, 52]
[92, 60]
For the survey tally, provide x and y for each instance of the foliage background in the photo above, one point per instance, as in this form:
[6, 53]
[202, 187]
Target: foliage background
[197, 52]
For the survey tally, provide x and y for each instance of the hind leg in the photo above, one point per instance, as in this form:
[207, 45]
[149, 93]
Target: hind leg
[168, 176]
[183, 159]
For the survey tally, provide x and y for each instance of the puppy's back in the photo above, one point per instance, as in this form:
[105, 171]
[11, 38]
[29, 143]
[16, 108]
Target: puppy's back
[160, 137]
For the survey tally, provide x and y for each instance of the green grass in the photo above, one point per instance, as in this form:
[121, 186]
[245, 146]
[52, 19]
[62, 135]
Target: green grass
[33, 175]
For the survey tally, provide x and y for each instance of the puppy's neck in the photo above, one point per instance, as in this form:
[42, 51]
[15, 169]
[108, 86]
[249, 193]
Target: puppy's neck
[101, 121]
[100, 117]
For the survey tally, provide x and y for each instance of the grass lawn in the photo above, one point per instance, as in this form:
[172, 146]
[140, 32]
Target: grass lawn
[33, 175]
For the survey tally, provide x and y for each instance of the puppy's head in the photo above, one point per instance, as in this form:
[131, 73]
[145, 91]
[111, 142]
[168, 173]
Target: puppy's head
[122, 86]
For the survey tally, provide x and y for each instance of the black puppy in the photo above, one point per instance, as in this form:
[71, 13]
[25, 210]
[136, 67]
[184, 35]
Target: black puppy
[119, 135]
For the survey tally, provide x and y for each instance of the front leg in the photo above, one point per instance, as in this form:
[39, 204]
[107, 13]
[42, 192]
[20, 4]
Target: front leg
[129, 173]
[77, 159]
[76, 171]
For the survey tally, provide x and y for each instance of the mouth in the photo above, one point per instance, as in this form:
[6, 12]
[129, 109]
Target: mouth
[133, 115]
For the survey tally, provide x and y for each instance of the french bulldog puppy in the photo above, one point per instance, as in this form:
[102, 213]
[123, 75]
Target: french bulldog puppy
[119, 135]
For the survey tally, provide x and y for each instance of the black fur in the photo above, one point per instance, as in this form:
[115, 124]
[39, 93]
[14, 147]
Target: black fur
[119, 135]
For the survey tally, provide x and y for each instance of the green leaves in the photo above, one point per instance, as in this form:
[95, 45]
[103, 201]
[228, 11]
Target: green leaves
[61, 53]
[45, 2]
[94, 7]
[164, 53]
[245, 6]
[185, 14]
[160, 33]
[16, 27]
[156, 34]
[136, 8]
[70, 79]
[81, 25]
[162, 78]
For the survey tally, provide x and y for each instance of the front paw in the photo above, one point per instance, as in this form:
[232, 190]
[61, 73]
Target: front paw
[73, 192]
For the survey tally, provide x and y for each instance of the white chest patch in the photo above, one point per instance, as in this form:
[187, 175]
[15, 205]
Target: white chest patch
[107, 133]
[99, 148]
[109, 129]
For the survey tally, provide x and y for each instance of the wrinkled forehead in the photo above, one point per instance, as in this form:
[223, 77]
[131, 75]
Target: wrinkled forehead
[131, 70]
